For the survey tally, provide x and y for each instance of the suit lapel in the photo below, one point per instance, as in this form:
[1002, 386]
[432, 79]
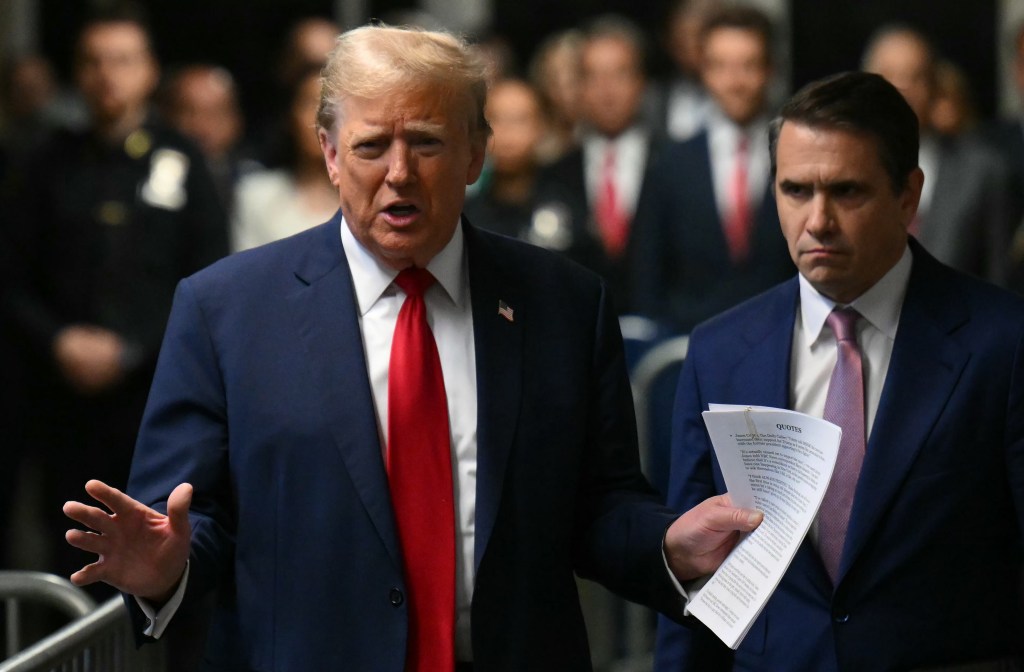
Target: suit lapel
[326, 315]
[923, 371]
[498, 341]
[760, 376]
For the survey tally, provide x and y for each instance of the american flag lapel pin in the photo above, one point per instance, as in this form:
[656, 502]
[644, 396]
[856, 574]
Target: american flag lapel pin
[505, 311]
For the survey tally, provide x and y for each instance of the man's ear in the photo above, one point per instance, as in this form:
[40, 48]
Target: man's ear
[911, 196]
[329, 147]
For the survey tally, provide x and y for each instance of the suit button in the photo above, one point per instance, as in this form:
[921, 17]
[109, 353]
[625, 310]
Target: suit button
[840, 617]
[396, 597]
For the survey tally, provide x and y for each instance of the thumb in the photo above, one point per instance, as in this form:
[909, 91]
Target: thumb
[177, 508]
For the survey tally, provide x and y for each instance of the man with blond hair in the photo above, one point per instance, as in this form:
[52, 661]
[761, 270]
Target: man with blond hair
[389, 441]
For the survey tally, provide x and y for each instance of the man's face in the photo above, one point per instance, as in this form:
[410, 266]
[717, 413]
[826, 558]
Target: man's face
[905, 62]
[205, 110]
[401, 163]
[517, 126]
[736, 72]
[844, 225]
[115, 70]
[612, 84]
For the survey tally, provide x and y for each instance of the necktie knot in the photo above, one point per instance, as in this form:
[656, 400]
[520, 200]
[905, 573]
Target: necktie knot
[742, 146]
[843, 322]
[414, 281]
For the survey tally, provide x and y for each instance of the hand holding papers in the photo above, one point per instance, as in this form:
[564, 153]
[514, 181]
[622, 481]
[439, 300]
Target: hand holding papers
[777, 461]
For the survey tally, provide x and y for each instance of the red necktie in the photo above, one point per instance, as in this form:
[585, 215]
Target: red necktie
[844, 406]
[737, 229]
[612, 222]
[420, 476]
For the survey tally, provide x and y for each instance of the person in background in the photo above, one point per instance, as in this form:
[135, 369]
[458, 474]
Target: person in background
[953, 110]
[555, 74]
[99, 228]
[296, 195]
[921, 366]
[597, 186]
[707, 230]
[201, 102]
[392, 439]
[683, 102]
[965, 214]
[507, 203]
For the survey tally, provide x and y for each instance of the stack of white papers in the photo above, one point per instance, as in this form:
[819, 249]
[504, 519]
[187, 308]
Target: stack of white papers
[778, 462]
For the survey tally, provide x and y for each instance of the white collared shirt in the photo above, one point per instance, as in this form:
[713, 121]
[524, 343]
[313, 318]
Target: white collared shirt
[630, 165]
[450, 315]
[723, 140]
[814, 344]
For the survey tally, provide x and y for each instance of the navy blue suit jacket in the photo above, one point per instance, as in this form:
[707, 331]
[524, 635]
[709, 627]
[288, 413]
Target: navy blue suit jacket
[261, 400]
[931, 569]
[682, 273]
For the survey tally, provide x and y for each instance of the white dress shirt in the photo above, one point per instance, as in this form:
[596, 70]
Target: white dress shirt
[814, 344]
[450, 315]
[686, 110]
[630, 165]
[723, 141]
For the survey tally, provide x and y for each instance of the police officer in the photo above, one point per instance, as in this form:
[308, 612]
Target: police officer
[102, 226]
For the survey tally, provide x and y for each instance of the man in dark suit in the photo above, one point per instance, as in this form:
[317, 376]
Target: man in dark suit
[399, 435]
[965, 214]
[706, 230]
[592, 192]
[919, 566]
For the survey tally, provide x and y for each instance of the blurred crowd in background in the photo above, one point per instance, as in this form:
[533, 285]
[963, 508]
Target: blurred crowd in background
[115, 187]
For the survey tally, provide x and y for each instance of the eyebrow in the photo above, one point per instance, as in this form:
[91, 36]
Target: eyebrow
[831, 185]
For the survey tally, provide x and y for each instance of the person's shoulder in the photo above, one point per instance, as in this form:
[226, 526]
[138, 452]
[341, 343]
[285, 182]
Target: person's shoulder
[254, 270]
[753, 317]
[971, 155]
[943, 290]
[260, 188]
[530, 265]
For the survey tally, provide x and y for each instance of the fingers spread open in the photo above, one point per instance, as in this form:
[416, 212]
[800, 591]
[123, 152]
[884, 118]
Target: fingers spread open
[87, 541]
[112, 498]
[90, 516]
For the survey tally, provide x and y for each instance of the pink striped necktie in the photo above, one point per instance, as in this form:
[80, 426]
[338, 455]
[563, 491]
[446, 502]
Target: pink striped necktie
[844, 406]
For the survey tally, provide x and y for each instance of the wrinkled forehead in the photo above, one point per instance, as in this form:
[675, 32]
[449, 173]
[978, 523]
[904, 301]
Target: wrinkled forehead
[415, 103]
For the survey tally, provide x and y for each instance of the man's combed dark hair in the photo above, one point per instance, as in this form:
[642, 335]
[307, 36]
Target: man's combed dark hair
[857, 102]
[741, 17]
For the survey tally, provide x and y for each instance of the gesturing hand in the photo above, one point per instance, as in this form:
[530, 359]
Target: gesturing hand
[698, 541]
[141, 551]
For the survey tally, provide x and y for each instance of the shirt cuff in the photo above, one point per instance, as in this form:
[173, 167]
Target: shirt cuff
[692, 587]
[157, 621]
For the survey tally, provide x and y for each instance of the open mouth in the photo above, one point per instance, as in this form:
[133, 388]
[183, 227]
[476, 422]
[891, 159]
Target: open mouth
[402, 210]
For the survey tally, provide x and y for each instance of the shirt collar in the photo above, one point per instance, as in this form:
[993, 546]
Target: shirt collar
[880, 305]
[724, 130]
[371, 279]
[632, 136]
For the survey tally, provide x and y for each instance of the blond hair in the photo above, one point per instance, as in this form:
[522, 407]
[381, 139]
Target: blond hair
[376, 60]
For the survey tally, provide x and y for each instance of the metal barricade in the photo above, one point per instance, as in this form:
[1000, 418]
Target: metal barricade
[98, 640]
[57, 593]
